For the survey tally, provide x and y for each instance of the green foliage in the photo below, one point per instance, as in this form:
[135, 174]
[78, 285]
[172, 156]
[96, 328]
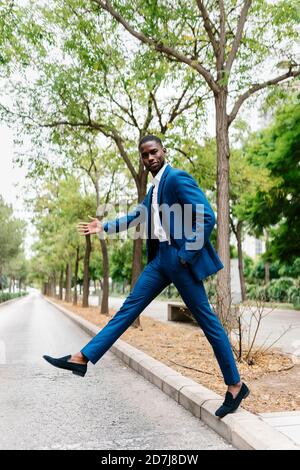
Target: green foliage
[278, 289]
[5, 296]
[284, 289]
[294, 295]
[255, 271]
[121, 261]
[11, 237]
[277, 150]
[58, 208]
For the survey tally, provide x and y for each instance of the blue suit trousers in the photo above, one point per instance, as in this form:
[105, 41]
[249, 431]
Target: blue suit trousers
[164, 269]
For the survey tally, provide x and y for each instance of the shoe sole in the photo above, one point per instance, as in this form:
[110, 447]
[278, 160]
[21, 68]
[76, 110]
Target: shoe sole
[81, 374]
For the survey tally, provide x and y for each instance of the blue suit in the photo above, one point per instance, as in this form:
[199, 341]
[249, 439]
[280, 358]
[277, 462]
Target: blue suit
[165, 266]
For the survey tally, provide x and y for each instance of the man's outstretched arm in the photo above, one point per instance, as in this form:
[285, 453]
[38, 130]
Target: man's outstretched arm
[95, 226]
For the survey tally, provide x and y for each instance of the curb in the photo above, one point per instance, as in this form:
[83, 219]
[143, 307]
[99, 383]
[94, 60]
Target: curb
[242, 429]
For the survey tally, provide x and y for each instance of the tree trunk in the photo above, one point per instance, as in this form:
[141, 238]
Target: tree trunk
[267, 272]
[68, 282]
[136, 261]
[61, 284]
[267, 264]
[48, 288]
[75, 297]
[138, 243]
[105, 280]
[223, 277]
[86, 275]
[52, 287]
[240, 258]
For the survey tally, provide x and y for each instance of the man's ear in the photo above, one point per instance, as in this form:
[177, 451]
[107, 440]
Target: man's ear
[164, 150]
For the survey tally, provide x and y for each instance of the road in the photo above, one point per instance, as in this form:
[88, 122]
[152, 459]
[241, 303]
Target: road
[273, 325]
[111, 408]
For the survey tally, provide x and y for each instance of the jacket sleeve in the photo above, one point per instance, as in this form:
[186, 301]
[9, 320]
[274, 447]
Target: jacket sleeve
[197, 207]
[133, 218]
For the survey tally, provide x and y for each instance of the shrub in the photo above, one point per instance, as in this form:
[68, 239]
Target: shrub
[257, 292]
[5, 296]
[294, 296]
[278, 289]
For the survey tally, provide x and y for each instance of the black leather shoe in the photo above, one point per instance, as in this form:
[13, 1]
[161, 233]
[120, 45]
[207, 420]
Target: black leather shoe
[62, 363]
[231, 404]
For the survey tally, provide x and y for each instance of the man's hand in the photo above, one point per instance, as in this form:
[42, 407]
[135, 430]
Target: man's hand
[89, 228]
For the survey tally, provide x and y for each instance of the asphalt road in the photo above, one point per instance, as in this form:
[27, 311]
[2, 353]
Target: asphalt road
[111, 408]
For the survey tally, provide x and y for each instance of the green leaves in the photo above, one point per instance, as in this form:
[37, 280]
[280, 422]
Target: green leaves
[12, 234]
[277, 150]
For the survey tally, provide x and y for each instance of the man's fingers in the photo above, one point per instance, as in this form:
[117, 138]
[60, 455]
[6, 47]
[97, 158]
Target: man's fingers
[86, 233]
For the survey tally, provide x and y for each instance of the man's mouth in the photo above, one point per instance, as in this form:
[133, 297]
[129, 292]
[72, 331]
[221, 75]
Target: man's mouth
[153, 164]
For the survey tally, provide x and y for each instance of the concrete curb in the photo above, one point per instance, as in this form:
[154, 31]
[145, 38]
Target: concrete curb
[243, 429]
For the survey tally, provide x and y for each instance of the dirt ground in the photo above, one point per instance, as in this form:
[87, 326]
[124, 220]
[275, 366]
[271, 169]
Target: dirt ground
[274, 380]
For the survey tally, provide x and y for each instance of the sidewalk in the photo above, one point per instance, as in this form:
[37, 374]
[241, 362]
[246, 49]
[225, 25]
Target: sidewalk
[287, 422]
[243, 429]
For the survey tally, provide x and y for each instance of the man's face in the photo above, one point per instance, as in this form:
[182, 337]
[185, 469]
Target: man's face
[153, 156]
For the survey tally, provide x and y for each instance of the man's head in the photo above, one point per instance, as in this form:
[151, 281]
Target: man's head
[152, 153]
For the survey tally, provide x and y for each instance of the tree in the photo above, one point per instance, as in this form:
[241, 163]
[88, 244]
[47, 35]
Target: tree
[228, 45]
[11, 237]
[276, 149]
[57, 208]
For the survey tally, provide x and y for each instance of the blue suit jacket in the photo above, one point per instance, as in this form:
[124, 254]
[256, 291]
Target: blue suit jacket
[177, 187]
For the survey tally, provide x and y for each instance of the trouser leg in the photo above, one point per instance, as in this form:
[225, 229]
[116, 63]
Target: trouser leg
[150, 283]
[194, 296]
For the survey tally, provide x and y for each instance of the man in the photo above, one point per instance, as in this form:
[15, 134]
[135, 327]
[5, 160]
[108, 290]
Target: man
[172, 257]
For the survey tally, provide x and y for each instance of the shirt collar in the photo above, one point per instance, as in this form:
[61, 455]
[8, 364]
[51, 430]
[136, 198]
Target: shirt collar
[155, 181]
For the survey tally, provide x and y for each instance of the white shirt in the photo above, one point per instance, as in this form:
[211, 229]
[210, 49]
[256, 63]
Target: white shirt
[157, 228]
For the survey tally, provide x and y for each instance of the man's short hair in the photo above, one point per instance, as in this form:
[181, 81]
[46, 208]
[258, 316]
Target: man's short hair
[148, 138]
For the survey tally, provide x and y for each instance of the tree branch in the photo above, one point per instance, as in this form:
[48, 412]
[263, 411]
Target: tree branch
[159, 46]
[105, 130]
[257, 87]
[208, 27]
[185, 155]
[222, 43]
[238, 35]
[149, 116]
[159, 115]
